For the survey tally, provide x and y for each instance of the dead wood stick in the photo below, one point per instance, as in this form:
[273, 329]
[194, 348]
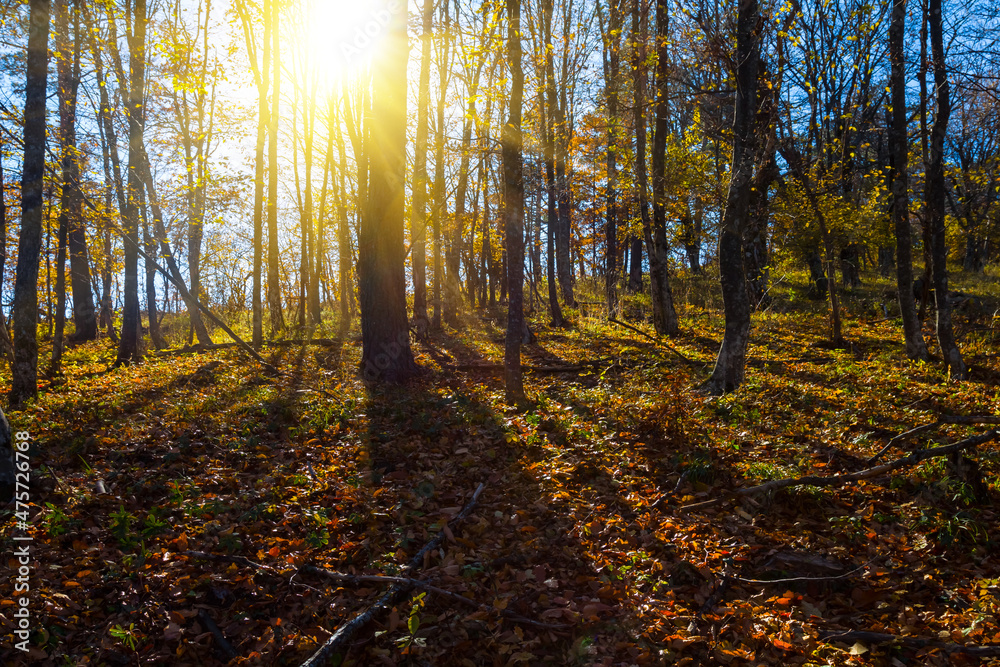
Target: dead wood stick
[337, 643]
[220, 639]
[795, 580]
[903, 437]
[686, 360]
[944, 419]
[236, 560]
[840, 480]
[430, 588]
[988, 651]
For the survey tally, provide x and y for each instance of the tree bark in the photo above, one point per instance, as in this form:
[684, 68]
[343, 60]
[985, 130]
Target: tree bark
[262, 79]
[551, 222]
[611, 74]
[513, 211]
[130, 344]
[84, 311]
[273, 284]
[386, 354]
[730, 365]
[913, 337]
[935, 195]
[418, 220]
[664, 315]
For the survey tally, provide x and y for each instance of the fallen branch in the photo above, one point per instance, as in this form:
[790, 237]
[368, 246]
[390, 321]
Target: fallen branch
[686, 360]
[236, 560]
[358, 579]
[498, 368]
[919, 430]
[989, 651]
[220, 639]
[794, 580]
[840, 480]
[337, 643]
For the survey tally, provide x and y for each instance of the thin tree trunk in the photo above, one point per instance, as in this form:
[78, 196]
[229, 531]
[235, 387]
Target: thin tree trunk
[557, 118]
[913, 337]
[130, 345]
[513, 177]
[440, 211]
[935, 195]
[273, 284]
[343, 236]
[730, 365]
[664, 315]
[613, 60]
[84, 312]
[418, 223]
[149, 245]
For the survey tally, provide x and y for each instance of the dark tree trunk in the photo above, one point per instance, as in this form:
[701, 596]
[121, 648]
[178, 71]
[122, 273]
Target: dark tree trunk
[557, 118]
[730, 365]
[513, 211]
[850, 265]
[817, 276]
[343, 238]
[149, 245]
[418, 222]
[273, 284]
[262, 79]
[130, 345]
[691, 228]
[84, 312]
[612, 67]
[386, 354]
[440, 194]
[935, 195]
[635, 265]
[664, 315]
[551, 216]
[6, 348]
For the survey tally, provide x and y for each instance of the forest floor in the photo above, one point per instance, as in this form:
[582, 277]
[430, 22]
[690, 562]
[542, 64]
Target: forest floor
[580, 528]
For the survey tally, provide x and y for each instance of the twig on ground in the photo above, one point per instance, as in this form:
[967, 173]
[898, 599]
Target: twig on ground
[337, 643]
[989, 651]
[420, 583]
[686, 360]
[840, 480]
[220, 639]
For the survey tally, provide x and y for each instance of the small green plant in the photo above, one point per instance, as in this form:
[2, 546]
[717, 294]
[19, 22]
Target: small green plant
[128, 637]
[121, 528]
[413, 625]
[55, 521]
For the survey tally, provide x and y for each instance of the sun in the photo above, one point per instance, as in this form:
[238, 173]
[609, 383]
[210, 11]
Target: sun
[344, 35]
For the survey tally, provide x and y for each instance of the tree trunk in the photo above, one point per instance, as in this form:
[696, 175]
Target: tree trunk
[440, 210]
[611, 74]
[557, 117]
[664, 314]
[113, 184]
[555, 311]
[513, 210]
[343, 237]
[6, 348]
[418, 220]
[386, 354]
[273, 284]
[913, 337]
[130, 345]
[262, 79]
[935, 195]
[730, 365]
[84, 312]
[635, 265]
[149, 244]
